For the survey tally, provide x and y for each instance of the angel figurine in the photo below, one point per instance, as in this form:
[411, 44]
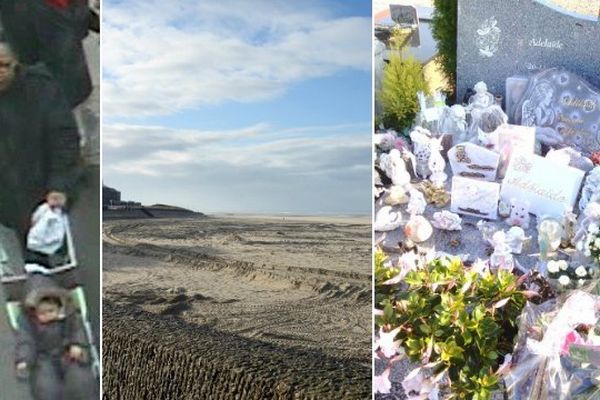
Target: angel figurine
[436, 163]
[501, 258]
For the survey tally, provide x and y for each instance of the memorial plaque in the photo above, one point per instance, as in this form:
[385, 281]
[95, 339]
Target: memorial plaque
[475, 197]
[566, 105]
[471, 161]
[499, 39]
[549, 187]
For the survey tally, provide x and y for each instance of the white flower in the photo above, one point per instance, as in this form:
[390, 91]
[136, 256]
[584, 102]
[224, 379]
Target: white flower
[593, 228]
[562, 264]
[386, 342]
[564, 280]
[587, 252]
[553, 266]
[381, 383]
[580, 271]
[580, 282]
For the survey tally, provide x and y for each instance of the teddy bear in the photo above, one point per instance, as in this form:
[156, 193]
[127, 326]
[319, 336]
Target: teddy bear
[519, 213]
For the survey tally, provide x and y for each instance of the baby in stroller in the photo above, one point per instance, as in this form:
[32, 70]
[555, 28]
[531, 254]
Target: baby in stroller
[52, 350]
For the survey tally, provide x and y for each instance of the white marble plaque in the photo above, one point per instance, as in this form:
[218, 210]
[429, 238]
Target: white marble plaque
[475, 197]
[549, 187]
[471, 161]
[513, 138]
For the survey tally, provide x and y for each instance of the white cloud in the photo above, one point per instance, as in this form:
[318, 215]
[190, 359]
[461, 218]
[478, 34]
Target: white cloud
[160, 57]
[158, 151]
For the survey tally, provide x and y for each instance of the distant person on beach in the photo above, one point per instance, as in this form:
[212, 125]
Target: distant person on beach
[52, 351]
[39, 145]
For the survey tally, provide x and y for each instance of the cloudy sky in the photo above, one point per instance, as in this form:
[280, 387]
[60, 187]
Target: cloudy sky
[239, 106]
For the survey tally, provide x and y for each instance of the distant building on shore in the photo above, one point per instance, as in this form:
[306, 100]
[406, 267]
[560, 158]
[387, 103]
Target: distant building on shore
[111, 198]
[115, 208]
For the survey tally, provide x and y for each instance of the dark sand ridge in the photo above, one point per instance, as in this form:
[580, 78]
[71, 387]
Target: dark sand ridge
[299, 288]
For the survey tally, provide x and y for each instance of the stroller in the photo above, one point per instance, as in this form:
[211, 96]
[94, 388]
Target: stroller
[65, 273]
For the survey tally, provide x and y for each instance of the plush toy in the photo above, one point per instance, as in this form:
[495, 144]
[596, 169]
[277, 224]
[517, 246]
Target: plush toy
[519, 213]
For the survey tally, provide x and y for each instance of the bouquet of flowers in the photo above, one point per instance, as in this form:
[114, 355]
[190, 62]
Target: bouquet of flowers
[565, 276]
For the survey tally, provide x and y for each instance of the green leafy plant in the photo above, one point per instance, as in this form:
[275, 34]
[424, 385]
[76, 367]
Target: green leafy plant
[402, 79]
[444, 32]
[459, 320]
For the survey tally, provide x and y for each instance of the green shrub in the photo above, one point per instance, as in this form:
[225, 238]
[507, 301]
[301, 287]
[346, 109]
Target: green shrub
[461, 320]
[402, 79]
[444, 31]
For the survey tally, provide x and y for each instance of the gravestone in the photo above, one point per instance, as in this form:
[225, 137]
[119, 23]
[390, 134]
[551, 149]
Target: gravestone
[499, 39]
[565, 105]
[472, 161]
[405, 16]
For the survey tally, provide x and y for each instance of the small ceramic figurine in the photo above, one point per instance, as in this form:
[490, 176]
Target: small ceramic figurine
[387, 219]
[396, 195]
[418, 229]
[417, 202]
[487, 229]
[550, 233]
[454, 123]
[503, 208]
[446, 220]
[395, 168]
[515, 237]
[519, 213]
[421, 139]
[590, 215]
[569, 222]
[591, 189]
[482, 98]
[437, 164]
[501, 258]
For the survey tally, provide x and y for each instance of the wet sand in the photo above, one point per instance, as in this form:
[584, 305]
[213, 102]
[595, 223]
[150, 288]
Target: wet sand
[300, 285]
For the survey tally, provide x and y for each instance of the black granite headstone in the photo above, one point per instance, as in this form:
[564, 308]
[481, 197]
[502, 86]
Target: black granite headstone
[498, 39]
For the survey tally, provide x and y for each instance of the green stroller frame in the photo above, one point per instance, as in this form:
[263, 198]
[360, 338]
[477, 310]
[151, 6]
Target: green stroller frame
[66, 275]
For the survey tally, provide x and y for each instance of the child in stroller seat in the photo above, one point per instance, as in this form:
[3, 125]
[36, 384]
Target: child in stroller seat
[52, 351]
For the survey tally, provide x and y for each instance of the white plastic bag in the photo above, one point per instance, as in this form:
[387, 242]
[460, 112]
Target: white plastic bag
[48, 231]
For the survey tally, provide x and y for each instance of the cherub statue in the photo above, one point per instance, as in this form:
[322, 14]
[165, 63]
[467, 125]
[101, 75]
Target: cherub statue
[417, 203]
[395, 168]
[454, 123]
[501, 258]
[481, 99]
[436, 163]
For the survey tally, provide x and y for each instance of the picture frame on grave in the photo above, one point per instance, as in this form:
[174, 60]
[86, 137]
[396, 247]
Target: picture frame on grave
[513, 138]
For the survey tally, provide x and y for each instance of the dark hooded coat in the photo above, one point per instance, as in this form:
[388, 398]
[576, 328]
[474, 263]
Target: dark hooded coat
[44, 31]
[43, 347]
[39, 145]
[50, 340]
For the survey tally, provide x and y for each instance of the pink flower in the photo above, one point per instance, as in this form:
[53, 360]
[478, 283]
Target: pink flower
[572, 338]
[381, 383]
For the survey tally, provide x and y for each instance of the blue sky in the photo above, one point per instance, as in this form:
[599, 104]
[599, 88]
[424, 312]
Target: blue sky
[258, 107]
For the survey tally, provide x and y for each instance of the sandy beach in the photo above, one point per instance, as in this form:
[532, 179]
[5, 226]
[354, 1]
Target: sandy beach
[293, 282]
